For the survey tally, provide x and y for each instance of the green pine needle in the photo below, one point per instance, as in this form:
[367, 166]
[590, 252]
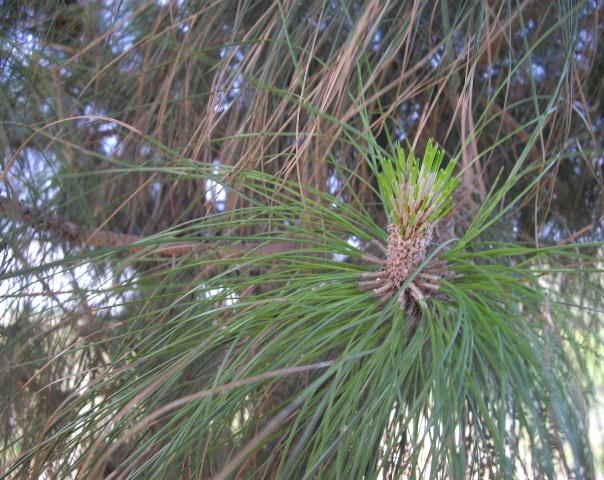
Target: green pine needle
[417, 193]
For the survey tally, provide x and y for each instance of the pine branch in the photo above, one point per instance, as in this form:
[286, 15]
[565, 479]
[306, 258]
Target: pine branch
[74, 234]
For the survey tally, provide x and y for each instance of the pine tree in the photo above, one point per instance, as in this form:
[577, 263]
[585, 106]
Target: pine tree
[300, 240]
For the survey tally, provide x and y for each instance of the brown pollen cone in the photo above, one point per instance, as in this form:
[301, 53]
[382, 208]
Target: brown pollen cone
[403, 256]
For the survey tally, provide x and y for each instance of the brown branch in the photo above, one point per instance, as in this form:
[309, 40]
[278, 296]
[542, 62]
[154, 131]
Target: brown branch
[74, 234]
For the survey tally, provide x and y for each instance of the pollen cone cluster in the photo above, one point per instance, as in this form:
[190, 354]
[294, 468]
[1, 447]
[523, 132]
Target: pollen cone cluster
[417, 195]
[402, 258]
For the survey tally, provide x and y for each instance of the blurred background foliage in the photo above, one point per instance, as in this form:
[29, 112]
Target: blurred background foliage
[277, 86]
[102, 101]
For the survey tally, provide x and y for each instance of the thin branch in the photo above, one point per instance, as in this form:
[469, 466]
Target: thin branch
[71, 232]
